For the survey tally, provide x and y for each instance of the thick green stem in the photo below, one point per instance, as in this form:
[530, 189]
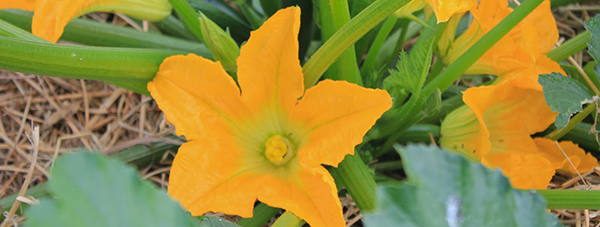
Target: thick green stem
[261, 216]
[220, 43]
[559, 133]
[188, 16]
[126, 67]
[334, 14]
[358, 179]
[403, 117]
[172, 26]
[9, 30]
[346, 36]
[102, 34]
[571, 199]
[369, 65]
[570, 47]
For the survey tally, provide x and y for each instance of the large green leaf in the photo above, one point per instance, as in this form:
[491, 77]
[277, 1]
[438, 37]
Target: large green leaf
[446, 189]
[564, 95]
[92, 190]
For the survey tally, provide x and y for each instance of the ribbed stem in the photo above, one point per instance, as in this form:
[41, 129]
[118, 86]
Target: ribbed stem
[334, 14]
[571, 199]
[127, 67]
[346, 36]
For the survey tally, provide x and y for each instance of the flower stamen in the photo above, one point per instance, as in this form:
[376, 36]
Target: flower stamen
[278, 150]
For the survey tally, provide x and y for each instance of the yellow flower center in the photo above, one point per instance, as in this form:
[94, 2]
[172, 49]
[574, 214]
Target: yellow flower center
[278, 150]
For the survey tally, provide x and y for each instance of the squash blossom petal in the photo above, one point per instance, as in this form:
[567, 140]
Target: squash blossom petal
[51, 16]
[27, 5]
[523, 48]
[557, 152]
[444, 9]
[267, 139]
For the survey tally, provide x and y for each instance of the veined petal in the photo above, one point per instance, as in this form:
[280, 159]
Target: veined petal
[444, 9]
[578, 161]
[524, 169]
[539, 28]
[269, 71]
[309, 194]
[197, 96]
[335, 116]
[528, 78]
[51, 16]
[211, 174]
[27, 5]
[505, 109]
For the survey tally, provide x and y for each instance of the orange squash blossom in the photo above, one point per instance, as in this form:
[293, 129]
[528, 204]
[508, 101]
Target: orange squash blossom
[267, 139]
[495, 127]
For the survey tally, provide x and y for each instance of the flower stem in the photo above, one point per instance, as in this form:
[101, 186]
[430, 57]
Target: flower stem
[369, 63]
[585, 76]
[174, 27]
[559, 133]
[127, 67]
[103, 34]
[188, 16]
[9, 30]
[334, 14]
[570, 47]
[356, 176]
[571, 199]
[346, 36]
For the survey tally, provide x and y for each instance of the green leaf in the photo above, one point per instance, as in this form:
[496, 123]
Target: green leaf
[412, 69]
[564, 95]
[92, 190]
[446, 189]
[593, 25]
[211, 221]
